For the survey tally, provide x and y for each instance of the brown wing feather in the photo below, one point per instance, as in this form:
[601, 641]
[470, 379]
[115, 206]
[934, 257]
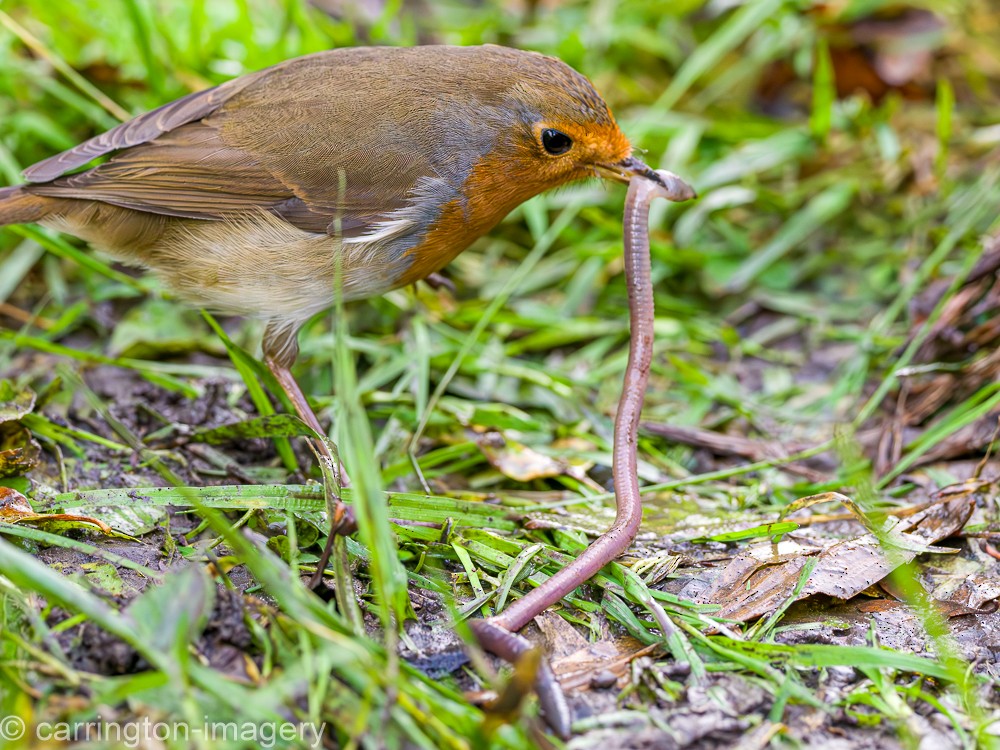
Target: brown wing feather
[192, 173]
[142, 129]
[188, 172]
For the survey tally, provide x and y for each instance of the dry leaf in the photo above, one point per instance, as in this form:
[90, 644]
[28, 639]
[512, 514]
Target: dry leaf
[524, 464]
[576, 661]
[14, 508]
[761, 578]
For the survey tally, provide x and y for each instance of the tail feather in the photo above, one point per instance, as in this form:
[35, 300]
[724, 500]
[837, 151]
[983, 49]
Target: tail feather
[17, 206]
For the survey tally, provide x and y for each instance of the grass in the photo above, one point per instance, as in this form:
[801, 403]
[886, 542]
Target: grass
[788, 308]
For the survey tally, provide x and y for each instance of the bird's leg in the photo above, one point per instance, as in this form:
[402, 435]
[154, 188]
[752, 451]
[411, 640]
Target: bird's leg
[280, 350]
[291, 388]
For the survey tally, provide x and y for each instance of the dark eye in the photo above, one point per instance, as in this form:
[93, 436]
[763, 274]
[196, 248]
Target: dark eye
[556, 143]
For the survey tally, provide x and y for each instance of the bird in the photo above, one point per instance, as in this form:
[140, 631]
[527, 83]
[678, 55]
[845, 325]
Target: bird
[350, 172]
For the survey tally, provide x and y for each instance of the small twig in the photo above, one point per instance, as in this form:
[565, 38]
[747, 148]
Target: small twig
[735, 445]
[23, 316]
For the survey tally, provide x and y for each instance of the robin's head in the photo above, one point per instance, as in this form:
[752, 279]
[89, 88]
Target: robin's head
[554, 128]
[566, 129]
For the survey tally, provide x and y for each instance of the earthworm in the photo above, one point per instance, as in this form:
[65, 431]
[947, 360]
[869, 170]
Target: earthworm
[496, 634]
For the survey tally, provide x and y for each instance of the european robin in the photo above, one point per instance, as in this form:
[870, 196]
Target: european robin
[380, 164]
[360, 169]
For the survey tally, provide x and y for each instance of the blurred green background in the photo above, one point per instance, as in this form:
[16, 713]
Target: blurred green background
[846, 156]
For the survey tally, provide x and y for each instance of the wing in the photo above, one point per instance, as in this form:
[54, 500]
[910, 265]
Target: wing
[190, 173]
[305, 140]
[142, 129]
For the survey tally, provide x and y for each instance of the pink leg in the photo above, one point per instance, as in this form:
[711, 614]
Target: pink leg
[280, 350]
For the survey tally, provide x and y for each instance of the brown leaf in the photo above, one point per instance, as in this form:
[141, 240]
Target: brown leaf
[975, 596]
[576, 661]
[893, 50]
[18, 450]
[524, 464]
[15, 508]
[761, 578]
[736, 445]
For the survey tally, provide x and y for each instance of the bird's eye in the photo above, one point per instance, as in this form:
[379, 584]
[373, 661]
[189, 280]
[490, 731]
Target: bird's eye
[556, 143]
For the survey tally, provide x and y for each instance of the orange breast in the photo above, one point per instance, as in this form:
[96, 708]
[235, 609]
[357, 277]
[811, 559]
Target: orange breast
[449, 236]
[494, 188]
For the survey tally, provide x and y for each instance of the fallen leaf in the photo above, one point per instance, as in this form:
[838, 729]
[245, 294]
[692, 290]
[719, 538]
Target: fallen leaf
[14, 403]
[19, 451]
[576, 661]
[15, 508]
[761, 578]
[524, 464]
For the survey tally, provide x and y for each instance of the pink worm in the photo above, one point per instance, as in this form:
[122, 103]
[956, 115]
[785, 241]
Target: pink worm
[496, 634]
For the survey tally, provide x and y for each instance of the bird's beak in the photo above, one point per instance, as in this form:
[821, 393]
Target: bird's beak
[627, 169]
